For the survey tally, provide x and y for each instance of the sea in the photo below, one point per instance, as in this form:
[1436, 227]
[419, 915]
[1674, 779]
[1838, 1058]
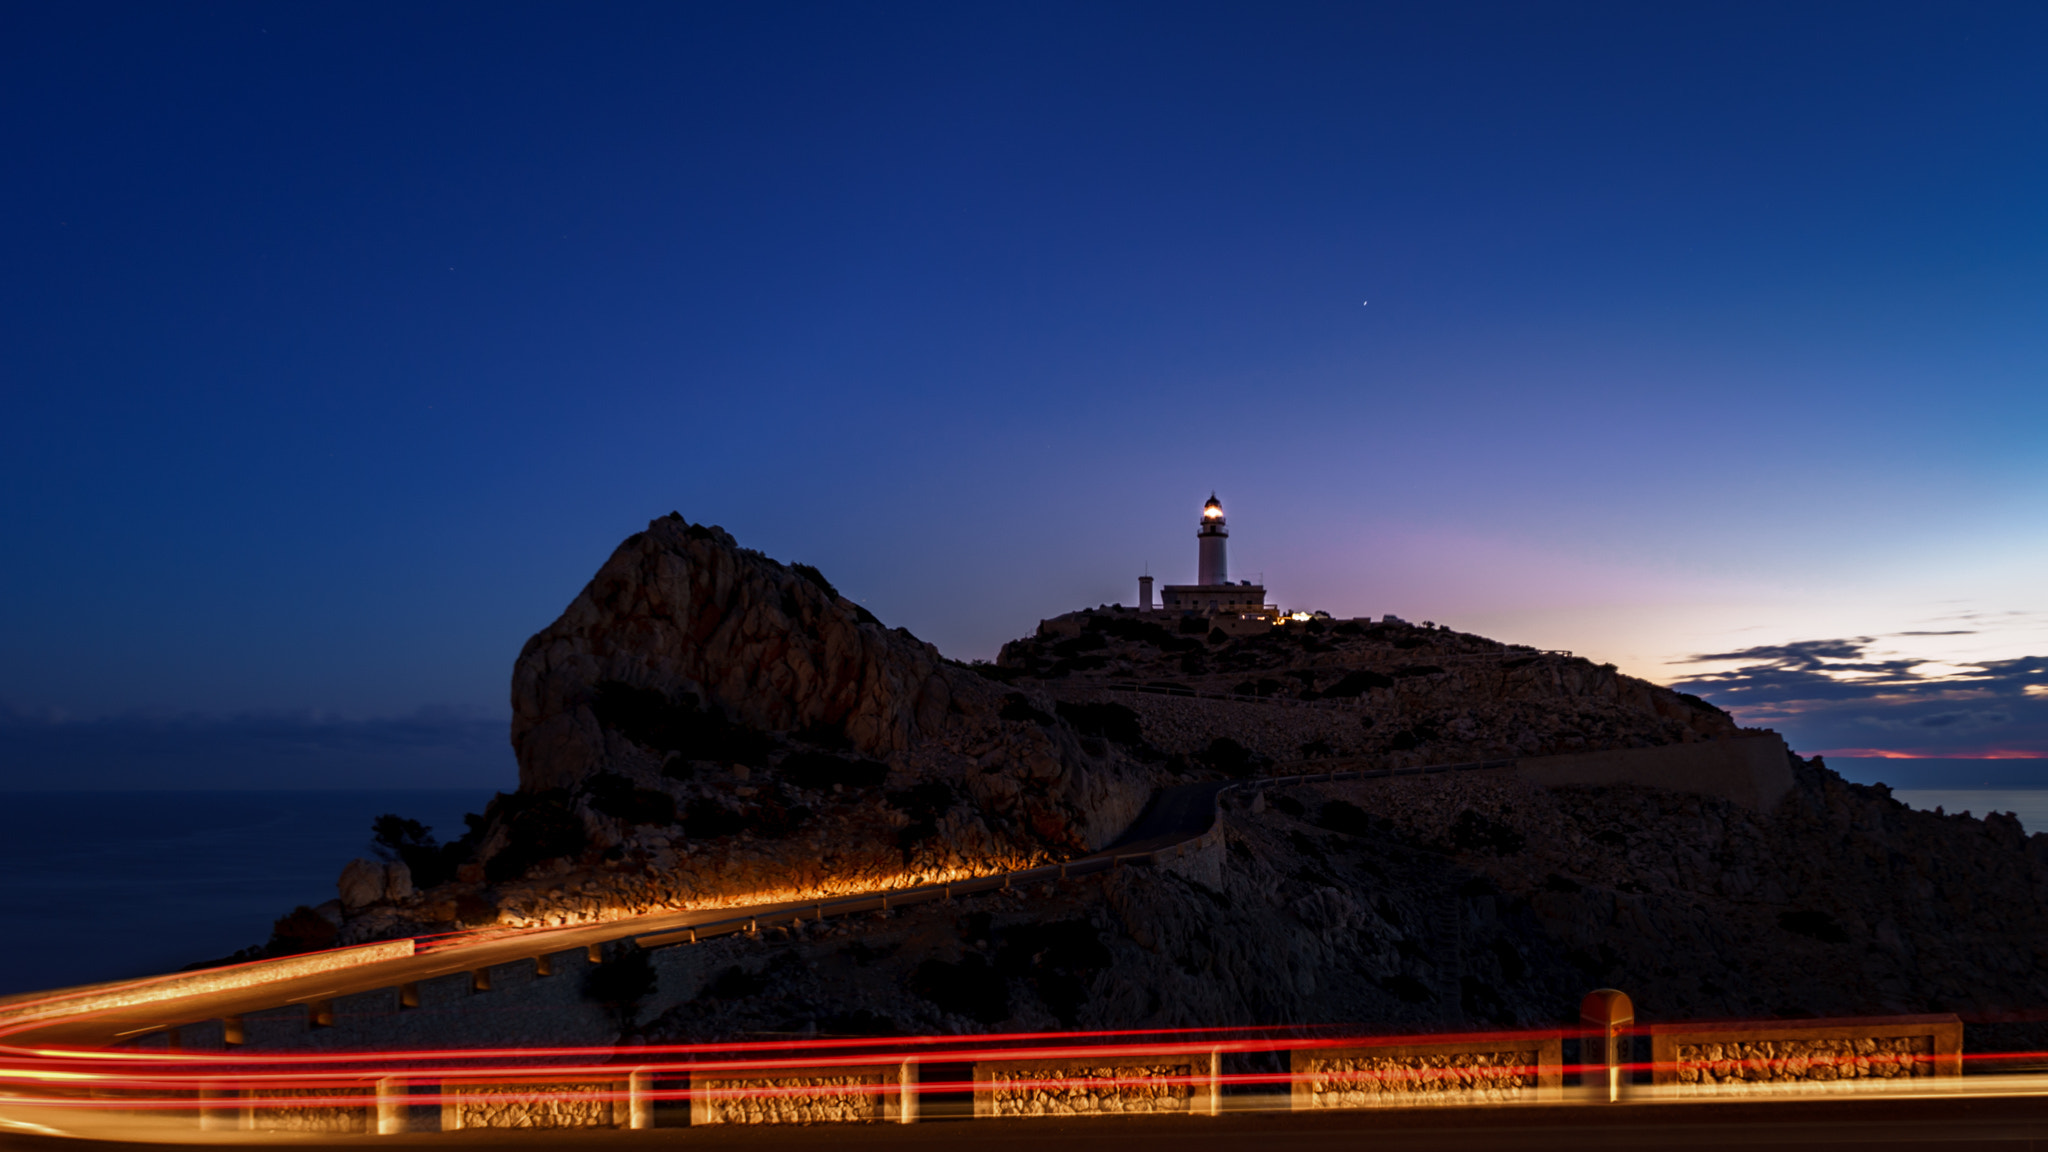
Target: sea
[108, 885]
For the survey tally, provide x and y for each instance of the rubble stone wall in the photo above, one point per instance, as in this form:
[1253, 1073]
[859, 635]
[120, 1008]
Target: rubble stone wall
[1428, 1074]
[577, 1105]
[846, 1097]
[308, 1117]
[1822, 1053]
[1180, 1084]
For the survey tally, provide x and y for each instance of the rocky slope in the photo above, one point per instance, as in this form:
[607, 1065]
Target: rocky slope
[706, 725]
[1389, 691]
[1475, 900]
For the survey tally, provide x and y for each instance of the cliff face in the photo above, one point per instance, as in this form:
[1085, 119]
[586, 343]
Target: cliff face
[704, 724]
[1445, 902]
[683, 612]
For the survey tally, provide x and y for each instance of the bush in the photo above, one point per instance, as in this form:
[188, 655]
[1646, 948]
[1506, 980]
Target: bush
[300, 930]
[1017, 707]
[1474, 831]
[1060, 959]
[1819, 925]
[709, 820]
[970, 988]
[1136, 631]
[1113, 722]
[819, 771]
[1085, 642]
[1345, 817]
[620, 984]
[815, 577]
[539, 826]
[652, 720]
[924, 804]
[410, 842]
[1229, 757]
[1355, 683]
[618, 797]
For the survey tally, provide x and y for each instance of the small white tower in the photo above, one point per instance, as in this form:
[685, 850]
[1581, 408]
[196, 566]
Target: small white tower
[1210, 566]
[1145, 593]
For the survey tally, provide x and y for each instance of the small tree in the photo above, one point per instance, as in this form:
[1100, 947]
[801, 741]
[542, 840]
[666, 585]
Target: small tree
[620, 985]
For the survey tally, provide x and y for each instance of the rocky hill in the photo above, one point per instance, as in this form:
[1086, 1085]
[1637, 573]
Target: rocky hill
[706, 725]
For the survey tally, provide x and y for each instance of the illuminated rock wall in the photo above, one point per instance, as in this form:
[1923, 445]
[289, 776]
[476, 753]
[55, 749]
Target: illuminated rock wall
[1809, 1055]
[580, 1105]
[875, 1094]
[1081, 1087]
[1426, 1074]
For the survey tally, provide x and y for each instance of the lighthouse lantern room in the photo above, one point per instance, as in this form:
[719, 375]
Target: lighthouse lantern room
[1212, 594]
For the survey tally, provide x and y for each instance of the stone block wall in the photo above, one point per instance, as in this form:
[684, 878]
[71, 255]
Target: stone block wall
[1184, 1083]
[1490, 1070]
[1804, 1055]
[588, 1104]
[869, 1093]
[291, 1109]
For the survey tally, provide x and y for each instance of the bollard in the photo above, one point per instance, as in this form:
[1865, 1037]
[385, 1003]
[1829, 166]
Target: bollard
[394, 1100]
[215, 1117]
[640, 1099]
[1606, 1018]
[906, 1093]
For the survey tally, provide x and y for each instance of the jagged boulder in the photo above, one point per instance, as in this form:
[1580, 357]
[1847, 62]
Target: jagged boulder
[682, 611]
[693, 668]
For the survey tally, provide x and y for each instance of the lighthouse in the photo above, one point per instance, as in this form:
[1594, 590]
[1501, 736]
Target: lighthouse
[1212, 594]
[1211, 566]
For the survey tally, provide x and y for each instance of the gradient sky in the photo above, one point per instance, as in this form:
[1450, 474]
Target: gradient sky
[339, 344]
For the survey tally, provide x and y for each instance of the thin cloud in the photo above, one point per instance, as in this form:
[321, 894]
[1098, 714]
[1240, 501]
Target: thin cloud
[1834, 694]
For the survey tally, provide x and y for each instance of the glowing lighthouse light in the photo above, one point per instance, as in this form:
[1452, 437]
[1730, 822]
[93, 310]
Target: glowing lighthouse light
[1210, 567]
[1212, 595]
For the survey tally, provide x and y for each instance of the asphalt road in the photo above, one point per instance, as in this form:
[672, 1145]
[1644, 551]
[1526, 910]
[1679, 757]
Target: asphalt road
[1175, 815]
[2015, 1124]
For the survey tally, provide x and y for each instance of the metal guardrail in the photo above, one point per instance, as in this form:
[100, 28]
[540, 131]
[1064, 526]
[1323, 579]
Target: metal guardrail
[1047, 873]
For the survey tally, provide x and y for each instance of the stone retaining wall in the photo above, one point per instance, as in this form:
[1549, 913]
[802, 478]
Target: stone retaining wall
[1804, 1055]
[1485, 1071]
[307, 1117]
[1184, 1083]
[586, 1104]
[864, 1093]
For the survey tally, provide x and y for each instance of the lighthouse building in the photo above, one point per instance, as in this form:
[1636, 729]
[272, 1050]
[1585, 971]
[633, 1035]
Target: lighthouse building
[1212, 593]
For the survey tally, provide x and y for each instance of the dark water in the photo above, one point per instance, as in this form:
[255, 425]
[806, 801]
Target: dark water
[105, 885]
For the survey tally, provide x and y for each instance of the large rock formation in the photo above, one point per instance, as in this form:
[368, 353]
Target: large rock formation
[1472, 900]
[706, 725]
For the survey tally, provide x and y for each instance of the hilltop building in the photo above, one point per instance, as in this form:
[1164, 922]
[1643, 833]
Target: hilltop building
[1212, 593]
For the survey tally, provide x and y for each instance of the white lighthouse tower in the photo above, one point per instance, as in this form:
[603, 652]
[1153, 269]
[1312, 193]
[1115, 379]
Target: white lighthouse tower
[1211, 566]
[1212, 594]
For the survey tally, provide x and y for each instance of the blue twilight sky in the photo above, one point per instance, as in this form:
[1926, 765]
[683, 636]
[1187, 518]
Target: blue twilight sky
[339, 344]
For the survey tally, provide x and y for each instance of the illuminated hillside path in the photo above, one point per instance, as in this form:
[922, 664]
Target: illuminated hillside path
[1175, 817]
